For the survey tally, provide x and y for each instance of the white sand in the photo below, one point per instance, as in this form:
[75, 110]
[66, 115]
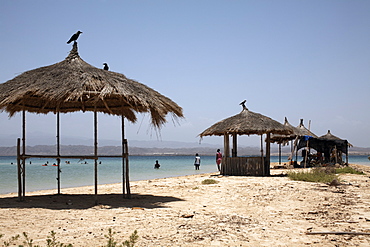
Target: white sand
[238, 211]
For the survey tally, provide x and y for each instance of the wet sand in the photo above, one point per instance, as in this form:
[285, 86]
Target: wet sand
[181, 211]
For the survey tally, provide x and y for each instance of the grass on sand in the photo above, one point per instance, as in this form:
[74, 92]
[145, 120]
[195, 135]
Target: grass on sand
[321, 174]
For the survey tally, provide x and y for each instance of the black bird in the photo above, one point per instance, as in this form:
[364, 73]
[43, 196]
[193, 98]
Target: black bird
[74, 37]
[105, 66]
[243, 104]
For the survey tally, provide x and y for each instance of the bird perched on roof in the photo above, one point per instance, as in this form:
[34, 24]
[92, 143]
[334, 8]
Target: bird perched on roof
[105, 66]
[74, 37]
[243, 104]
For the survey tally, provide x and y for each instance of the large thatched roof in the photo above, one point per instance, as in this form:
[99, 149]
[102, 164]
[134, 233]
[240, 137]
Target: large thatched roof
[74, 85]
[246, 123]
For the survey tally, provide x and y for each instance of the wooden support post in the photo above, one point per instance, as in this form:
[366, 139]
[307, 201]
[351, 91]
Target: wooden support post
[58, 153]
[19, 170]
[262, 159]
[123, 156]
[279, 153]
[226, 145]
[268, 151]
[235, 145]
[127, 172]
[23, 154]
[307, 153]
[96, 154]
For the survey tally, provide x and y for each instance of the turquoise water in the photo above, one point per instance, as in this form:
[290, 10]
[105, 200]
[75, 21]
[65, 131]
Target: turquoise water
[77, 173]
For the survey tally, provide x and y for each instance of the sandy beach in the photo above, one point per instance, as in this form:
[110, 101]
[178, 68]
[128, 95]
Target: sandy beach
[181, 211]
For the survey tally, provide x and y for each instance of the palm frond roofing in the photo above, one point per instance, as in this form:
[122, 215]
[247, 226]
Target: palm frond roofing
[283, 139]
[74, 85]
[246, 123]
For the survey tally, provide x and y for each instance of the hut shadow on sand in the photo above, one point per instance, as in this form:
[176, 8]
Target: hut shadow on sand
[86, 201]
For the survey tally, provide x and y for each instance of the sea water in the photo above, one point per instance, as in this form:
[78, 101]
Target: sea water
[77, 172]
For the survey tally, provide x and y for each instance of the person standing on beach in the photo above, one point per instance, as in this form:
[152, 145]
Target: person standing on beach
[218, 159]
[197, 161]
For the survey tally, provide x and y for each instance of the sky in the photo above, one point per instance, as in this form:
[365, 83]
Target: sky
[297, 59]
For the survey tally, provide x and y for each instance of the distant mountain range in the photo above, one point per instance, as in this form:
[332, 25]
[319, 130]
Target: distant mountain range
[153, 148]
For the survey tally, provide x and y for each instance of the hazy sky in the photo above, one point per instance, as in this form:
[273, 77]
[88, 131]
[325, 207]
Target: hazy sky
[294, 59]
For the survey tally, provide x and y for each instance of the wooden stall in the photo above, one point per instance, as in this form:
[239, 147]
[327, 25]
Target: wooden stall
[246, 166]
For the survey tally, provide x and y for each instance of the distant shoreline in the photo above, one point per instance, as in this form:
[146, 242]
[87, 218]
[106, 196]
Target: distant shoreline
[150, 151]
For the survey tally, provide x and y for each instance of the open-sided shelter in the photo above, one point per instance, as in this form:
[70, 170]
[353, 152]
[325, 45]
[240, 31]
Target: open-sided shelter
[73, 85]
[284, 139]
[330, 145]
[245, 123]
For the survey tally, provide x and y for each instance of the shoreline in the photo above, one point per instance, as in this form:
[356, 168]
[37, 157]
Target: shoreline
[181, 211]
[361, 167]
[91, 187]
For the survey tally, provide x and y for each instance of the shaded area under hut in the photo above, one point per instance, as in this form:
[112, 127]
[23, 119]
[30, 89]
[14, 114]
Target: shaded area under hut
[329, 148]
[246, 123]
[73, 85]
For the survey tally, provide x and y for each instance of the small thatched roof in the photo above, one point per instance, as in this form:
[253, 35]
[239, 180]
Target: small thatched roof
[330, 137]
[246, 123]
[304, 131]
[283, 139]
[74, 85]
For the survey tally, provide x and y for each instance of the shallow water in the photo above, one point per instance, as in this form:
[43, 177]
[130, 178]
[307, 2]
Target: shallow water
[78, 173]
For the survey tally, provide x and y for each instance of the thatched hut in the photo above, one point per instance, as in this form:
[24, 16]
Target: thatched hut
[297, 132]
[245, 123]
[73, 85]
[330, 145]
[284, 139]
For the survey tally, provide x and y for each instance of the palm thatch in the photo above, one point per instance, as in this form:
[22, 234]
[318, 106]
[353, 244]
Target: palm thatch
[284, 139]
[304, 131]
[246, 123]
[330, 137]
[74, 85]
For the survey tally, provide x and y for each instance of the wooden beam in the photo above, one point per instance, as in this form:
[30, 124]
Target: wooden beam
[58, 152]
[123, 155]
[127, 172]
[235, 145]
[19, 170]
[338, 233]
[262, 158]
[91, 157]
[96, 155]
[268, 151]
[226, 145]
[24, 151]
